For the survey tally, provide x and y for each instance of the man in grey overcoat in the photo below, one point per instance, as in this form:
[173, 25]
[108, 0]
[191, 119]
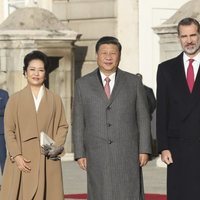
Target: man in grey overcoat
[111, 127]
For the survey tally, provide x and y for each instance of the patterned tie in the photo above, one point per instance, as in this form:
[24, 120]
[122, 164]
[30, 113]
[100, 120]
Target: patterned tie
[107, 87]
[190, 75]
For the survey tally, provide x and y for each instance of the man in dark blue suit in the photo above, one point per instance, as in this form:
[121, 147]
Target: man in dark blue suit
[3, 101]
[178, 114]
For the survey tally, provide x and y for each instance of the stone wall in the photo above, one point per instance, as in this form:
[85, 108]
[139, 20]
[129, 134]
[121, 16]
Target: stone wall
[92, 19]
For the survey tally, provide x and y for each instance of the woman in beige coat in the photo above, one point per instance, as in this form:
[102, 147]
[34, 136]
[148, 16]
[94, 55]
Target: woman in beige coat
[28, 173]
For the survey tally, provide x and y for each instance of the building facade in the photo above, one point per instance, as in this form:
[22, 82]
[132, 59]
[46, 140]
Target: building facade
[132, 21]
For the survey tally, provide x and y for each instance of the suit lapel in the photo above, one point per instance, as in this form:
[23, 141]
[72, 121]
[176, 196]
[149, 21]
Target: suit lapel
[189, 99]
[180, 79]
[119, 80]
[194, 98]
[196, 89]
[97, 85]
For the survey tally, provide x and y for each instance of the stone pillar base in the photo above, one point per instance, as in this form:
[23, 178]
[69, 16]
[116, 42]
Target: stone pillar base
[68, 157]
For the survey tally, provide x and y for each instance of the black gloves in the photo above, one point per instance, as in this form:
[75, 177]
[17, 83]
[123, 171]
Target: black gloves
[52, 152]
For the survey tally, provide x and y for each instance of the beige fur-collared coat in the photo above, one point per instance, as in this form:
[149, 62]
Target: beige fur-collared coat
[22, 128]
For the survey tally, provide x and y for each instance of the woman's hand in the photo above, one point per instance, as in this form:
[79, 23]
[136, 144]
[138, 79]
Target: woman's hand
[22, 163]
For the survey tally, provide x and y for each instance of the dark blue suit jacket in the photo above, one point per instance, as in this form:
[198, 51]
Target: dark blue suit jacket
[178, 128]
[3, 101]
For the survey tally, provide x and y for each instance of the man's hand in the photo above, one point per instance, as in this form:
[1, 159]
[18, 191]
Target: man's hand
[143, 159]
[166, 157]
[22, 163]
[82, 162]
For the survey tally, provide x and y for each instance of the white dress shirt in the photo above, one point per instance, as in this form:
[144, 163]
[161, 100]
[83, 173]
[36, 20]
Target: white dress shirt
[195, 63]
[112, 80]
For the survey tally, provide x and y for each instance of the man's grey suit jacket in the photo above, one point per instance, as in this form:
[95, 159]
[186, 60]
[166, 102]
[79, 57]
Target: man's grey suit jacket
[111, 133]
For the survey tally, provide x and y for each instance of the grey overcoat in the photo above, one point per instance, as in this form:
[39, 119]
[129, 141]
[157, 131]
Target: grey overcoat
[111, 134]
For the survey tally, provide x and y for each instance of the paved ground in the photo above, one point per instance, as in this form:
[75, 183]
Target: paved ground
[75, 178]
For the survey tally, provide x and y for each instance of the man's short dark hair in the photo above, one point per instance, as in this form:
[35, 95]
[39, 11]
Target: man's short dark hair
[108, 40]
[188, 21]
[36, 55]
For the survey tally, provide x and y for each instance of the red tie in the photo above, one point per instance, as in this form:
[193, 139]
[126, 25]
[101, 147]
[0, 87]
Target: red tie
[190, 75]
[107, 87]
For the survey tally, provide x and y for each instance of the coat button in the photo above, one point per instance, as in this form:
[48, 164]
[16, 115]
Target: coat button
[110, 141]
[109, 125]
[109, 107]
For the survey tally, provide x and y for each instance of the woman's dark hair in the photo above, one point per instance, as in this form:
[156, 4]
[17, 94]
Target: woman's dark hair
[36, 55]
[108, 40]
[186, 22]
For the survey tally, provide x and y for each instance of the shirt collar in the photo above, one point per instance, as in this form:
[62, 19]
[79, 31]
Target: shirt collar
[112, 76]
[186, 57]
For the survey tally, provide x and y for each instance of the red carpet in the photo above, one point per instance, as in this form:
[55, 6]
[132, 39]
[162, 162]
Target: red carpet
[147, 196]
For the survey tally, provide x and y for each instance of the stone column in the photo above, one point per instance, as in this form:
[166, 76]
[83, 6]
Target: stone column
[12, 53]
[61, 81]
[127, 31]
